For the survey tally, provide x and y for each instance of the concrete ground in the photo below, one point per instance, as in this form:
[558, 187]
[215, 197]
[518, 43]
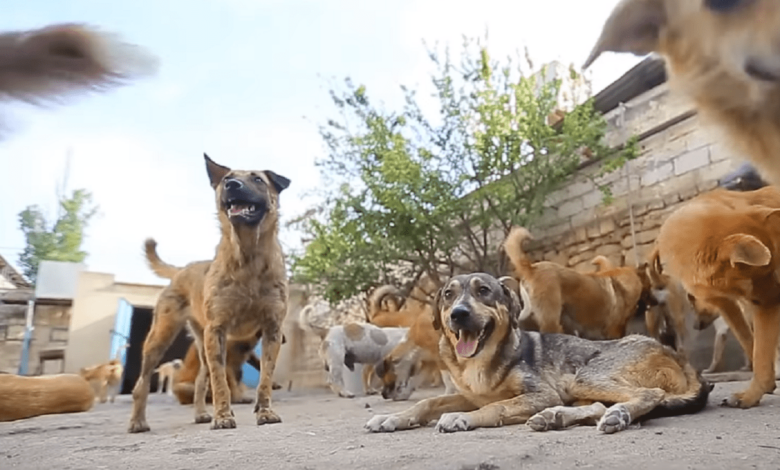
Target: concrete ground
[321, 431]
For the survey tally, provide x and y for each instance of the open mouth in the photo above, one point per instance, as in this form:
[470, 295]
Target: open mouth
[243, 209]
[470, 343]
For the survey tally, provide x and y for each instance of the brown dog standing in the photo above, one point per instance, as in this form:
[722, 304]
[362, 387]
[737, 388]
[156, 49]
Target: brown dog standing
[240, 295]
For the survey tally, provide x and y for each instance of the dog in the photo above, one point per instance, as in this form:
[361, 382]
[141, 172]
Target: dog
[106, 379]
[508, 376]
[166, 372]
[724, 55]
[46, 65]
[730, 256]
[384, 308]
[240, 295]
[355, 343]
[27, 397]
[594, 306]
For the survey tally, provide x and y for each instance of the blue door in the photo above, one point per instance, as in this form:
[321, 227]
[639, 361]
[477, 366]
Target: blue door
[249, 375]
[120, 334]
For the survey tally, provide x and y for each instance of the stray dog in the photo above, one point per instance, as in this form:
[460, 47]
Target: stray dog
[549, 381]
[105, 378]
[241, 295]
[384, 308]
[355, 343]
[729, 257]
[45, 65]
[26, 397]
[725, 55]
[562, 300]
[166, 372]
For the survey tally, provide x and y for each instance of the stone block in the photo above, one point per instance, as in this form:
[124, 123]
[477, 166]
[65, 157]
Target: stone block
[593, 231]
[642, 250]
[592, 199]
[646, 236]
[720, 151]
[570, 208]
[578, 188]
[657, 174]
[691, 160]
[607, 226]
[609, 250]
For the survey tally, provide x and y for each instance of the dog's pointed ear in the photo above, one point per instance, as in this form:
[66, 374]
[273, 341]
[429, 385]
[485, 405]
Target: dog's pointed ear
[436, 310]
[745, 249]
[280, 182]
[633, 26]
[216, 171]
[511, 287]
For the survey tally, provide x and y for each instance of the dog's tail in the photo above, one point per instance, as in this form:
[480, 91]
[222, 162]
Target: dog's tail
[513, 246]
[602, 263]
[378, 296]
[50, 63]
[160, 267]
[691, 401]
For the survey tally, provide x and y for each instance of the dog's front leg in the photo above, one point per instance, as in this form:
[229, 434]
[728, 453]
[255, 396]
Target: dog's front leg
[506, 412]
[214, 339]
[420, 414]
[272, 342]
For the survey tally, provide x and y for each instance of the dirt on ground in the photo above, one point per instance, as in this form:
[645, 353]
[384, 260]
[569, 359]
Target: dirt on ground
[321, 431]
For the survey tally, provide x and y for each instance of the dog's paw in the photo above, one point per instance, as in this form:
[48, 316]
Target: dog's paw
[202, 418]
[740, 400]
[383, 423]
[138, 426]
[546, 420]
[346, 394]
[224, 423]
[371, 392]
[617, 418]
[267, 416]
[453, 422]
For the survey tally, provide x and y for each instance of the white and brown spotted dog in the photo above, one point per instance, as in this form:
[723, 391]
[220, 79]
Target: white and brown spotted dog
[356, 343]
[165, 374]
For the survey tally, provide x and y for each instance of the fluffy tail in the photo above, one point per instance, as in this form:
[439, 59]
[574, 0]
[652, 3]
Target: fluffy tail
[513, 246]
[379, 295]
[602, 263]
[50, 63]
[690, 402]
[157, 265]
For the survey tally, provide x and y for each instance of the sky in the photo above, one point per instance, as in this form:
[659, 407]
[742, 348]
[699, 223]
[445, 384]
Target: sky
[247, 82]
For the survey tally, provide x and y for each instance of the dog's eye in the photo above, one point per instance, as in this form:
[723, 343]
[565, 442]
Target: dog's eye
[722, 5]
[484, 290]
[258, 179]
[448, 294]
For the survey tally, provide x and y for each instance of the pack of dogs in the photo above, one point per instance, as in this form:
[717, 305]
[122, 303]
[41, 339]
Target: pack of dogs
[546, 345]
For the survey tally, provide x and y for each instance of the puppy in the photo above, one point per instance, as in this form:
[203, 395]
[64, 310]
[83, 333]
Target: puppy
[730, 256]
[240, 295]
[106, 379]
[27, 397]
[723, 54]
[166, 372]
[561, 300]
[355, 343]
[506, 375]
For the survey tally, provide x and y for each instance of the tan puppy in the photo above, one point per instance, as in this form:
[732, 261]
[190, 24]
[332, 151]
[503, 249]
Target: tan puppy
[724, 54]
[731, 254]
[562, 300]
[106, 379]
[241, 295]
[26, 397]
[165, 373]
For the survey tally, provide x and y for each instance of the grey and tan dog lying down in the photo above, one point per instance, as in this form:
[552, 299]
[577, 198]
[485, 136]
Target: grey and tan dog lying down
[506, 375]
[356, 343]
[24, 397]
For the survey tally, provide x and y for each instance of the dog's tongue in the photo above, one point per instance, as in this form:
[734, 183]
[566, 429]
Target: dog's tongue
[467, 345]
[238, 209]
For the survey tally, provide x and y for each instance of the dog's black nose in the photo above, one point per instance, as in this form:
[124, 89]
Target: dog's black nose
[232, 183]
[459, 314]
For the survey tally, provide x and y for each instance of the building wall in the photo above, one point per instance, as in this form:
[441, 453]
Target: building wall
[50, 331]
[94, 309]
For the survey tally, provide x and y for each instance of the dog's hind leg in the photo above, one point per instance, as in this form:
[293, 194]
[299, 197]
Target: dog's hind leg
[630, 402]
[562, 417]
[169, 318]
[200, 387]
[272, 343]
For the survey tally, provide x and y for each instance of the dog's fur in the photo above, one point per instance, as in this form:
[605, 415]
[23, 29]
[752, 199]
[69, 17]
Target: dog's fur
[26, 397]
[594, 306]
[240, 295]
[106, 379]
[723, 55]
[550, 381]
[165, 374]
[384, 308]
[46, 65]
[356, 343]
[730, 255]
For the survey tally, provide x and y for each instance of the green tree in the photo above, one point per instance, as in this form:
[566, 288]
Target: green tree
[415, 192]
[61, 241]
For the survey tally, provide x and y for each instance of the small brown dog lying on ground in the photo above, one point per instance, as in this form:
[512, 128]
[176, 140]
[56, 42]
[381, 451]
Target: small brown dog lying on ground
[25, 397]
[725, 55]
[241, 295]
[562, 300]
[506, 375]
[730, 254]
[106, 379]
